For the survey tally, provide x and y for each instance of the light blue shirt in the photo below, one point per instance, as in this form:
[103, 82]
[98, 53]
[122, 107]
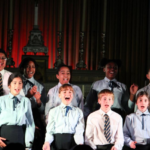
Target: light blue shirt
[22, 115]
[133, 128]
[121, 96]
[73, 123]
[54, 100]
[40, 89]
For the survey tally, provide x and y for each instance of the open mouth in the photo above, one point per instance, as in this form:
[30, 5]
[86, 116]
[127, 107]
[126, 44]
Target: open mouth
[17, 90]
[106, 106]
[142, 107]
[67, 98]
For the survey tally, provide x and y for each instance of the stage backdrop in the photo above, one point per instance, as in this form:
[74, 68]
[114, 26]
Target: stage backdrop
[126, 32]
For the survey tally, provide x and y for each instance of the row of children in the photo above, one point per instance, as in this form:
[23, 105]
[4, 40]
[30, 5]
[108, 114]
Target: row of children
[35, 92]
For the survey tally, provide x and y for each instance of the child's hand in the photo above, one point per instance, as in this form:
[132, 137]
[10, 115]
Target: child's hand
[46, 146]
[2, 144]
[132, 144]
[37, 96]
[133, 89]
[32, 91]
[113, 148]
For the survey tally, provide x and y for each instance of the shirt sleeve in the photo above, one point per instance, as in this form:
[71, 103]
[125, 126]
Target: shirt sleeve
[119, 139]
[50, 128]
[78, 136]
[89, 134]
[30, 126]
[126, 132]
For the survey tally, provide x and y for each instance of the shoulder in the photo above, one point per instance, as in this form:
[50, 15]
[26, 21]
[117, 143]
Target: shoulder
[95, 114]
[53, 89]
[121, 84]
[3, 98]
[116, 116]
[7, 73]
[38, 83]
[76, 88]
[77, 109]
[97, 83]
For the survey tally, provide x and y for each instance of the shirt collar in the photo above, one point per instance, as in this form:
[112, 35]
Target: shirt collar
[2, 72]
[30, 79]
[106, 79]
[18, 96]
[59, 84]
[63, 105]
[103, 113]
[139, 113]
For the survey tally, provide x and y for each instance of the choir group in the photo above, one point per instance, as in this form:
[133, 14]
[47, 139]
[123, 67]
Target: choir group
[110, 119]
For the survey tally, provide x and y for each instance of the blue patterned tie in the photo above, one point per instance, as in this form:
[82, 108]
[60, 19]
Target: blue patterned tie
[67, 109]
[143, 121]
[112, 85]
[15, 101]
[1, 85]
[107, 128]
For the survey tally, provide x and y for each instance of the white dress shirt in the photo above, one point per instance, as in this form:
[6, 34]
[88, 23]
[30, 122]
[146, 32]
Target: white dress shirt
[54, 100]
[22, 115]
[94, 134]
[133, 128]
[5, 77]
[73, 123]
[121, 96]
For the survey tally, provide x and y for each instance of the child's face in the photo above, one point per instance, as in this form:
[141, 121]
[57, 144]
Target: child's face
[111, 70]
[63, 75]
[106, 101]
[15, 86]
[29, 71]
[66, 96]
[2, 61]
[142, 103]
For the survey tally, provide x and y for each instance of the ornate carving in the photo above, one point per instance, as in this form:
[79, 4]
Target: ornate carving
[103, 45]
[59, 60]
[81, 65]
[10, 61]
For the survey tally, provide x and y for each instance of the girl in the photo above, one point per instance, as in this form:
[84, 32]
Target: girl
[16, 120]
[36, 93]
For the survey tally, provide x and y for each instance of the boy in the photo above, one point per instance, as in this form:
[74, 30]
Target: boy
[104, 126]
[63, 75]
[65, 123]
[122, 102]
[146, 88]
[137, 128]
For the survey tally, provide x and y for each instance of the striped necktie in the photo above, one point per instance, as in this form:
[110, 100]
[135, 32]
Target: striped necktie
[143, 121]
[107, 128]
[1, 85]
[15, 101]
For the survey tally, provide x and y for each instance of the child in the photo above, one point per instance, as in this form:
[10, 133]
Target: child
[63, 75]
[16, 120]
[36, 93]
[65, 123]
[137, 128]
[146, 89]
[104, 126]
[122, 102]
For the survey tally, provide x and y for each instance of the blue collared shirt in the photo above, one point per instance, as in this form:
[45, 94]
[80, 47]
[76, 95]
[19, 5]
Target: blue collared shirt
[40, 89]
[22, 115]
[73, 123]
[54, 100]
[121, 96]
[133, 128]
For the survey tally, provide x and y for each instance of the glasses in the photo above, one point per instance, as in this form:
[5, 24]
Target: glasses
[3, 58]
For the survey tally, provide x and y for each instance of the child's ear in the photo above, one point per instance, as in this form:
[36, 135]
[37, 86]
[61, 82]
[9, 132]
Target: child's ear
[147, 76]
[57, 76]
[59, 95]
[9, 86]
[99, 101]
[104, 70]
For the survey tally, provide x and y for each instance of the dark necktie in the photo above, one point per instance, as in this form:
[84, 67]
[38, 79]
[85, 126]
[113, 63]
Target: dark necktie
[27, 81]
[112, 85]
[67, 109]
[1, 85]
[15, 101]
[143, 121]
[107, 128]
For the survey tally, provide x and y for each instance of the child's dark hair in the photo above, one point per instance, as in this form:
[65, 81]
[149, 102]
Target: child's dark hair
[142, 93]
[14, 75]
[60, 66]
[25, 62]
